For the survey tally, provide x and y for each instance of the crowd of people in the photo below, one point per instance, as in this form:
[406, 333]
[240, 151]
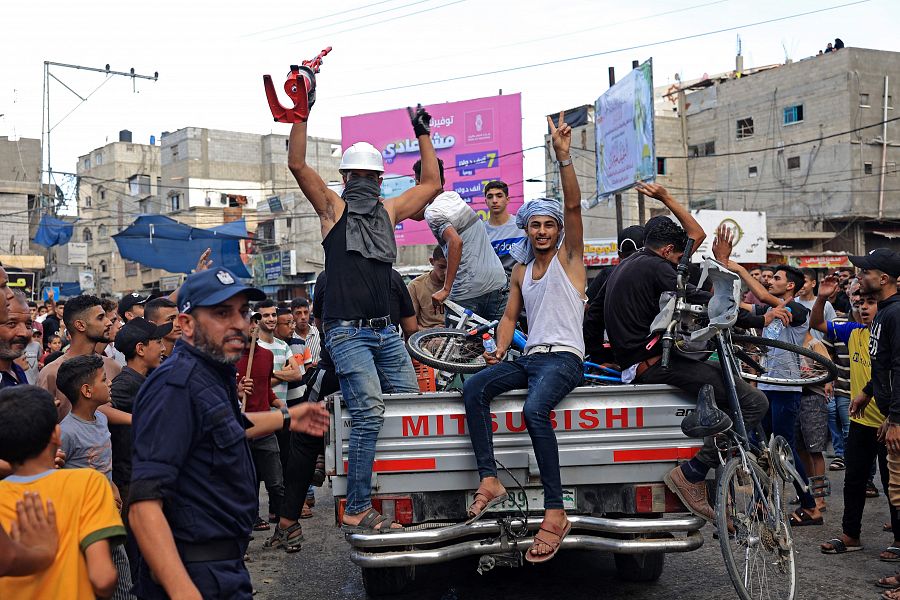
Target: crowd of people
[135, 435]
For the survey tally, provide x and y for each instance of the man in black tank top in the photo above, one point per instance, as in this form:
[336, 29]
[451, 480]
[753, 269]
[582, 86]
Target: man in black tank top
[358, 236]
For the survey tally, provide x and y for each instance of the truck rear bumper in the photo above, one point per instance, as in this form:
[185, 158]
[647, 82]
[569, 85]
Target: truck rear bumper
[629, 536]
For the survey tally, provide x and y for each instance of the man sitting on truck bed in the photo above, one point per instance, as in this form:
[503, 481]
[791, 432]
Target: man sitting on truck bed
[550, 283]
[631, 302]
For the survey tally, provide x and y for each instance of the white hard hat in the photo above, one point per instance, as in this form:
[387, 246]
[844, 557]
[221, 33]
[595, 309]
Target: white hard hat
[364, 156]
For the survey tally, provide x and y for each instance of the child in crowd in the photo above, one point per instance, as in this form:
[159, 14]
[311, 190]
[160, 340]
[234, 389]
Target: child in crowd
[54, 344]
[86, 517]
[86, 439]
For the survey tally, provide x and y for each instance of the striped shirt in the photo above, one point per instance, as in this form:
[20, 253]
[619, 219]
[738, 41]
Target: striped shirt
[841, 356]
[313, 342]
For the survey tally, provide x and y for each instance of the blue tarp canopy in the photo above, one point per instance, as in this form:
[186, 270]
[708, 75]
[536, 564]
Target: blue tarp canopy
[163, 243]
[53, 232]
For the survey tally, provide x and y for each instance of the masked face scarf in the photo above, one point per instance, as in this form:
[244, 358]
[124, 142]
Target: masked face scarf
[369, 228]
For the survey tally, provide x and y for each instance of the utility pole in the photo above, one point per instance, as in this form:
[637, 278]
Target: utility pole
[618, 196]
[642, 218]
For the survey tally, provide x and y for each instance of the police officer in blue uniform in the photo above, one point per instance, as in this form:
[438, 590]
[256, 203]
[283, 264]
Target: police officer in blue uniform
[193, 497]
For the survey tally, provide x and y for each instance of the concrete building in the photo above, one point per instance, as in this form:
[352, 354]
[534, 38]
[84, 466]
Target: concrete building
[203, 178]
[118, 182]
[20, 209]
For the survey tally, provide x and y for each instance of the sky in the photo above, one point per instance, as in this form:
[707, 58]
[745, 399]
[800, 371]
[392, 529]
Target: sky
[211, 56]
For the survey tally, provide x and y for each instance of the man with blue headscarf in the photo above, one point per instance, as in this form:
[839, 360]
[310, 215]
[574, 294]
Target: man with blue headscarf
[549, 282]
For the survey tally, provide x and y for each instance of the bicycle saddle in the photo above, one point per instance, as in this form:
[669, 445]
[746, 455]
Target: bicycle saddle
[707, 420]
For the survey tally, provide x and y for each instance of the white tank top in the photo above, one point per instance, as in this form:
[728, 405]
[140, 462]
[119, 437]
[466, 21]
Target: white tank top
[555, 308]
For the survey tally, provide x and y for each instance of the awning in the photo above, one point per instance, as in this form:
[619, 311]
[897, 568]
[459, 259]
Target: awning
[161, 242]
[891, 235]
[30, 262]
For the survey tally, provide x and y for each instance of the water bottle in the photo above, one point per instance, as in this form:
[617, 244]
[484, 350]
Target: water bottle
[774, 329]
[490, 346]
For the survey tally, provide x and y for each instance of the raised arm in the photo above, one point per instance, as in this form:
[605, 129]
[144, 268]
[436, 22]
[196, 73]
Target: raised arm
[691, 226]
[817, 317]
[412, 201]
[573, 242]
[324, 200]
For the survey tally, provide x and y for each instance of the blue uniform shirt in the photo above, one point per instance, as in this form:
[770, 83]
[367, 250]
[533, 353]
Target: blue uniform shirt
[190, 451]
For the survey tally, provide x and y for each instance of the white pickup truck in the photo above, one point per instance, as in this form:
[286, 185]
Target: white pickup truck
[615, 444]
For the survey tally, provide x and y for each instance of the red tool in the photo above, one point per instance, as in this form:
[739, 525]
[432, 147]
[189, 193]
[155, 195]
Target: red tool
[300, 87]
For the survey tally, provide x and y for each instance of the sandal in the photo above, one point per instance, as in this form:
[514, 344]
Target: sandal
[372, 522]
[306, 513]
[801, 518]
[883, 582]
[318, 477]
[871, 490]
[284, 538]
[554, 545]
[890, 550]
[893, 594]
[261, 525]
[837, 464]
[486, 502]
[838, 546]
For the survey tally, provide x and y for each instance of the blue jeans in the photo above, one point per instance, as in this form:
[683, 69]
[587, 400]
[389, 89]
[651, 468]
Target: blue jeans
[548, 377]
[489, 306]
[367, 362]
[784, 408]
[839, 423]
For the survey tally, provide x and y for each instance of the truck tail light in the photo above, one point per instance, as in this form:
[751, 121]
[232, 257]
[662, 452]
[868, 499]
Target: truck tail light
[395, 508]
[656, 498]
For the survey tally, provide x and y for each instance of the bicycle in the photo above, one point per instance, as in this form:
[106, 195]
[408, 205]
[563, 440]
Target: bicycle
[754, 533]
[459, 349]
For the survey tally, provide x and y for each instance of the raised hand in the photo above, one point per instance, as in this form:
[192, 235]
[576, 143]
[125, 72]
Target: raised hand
[828, 286]
[723, 243]
[654, 190]
[420, 119]
[560, 136]
[203, 263]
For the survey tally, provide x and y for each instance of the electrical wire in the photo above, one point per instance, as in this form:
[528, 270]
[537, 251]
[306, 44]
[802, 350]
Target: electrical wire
[319, 18]
[604, 52]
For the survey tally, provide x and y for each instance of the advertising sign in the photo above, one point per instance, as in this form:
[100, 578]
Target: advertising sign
[601, 253]
[625, 143]
[272, 264]
[824, 261]
[478, 140]
[750, 234]
[23, 282]
[78, 253]
[86, 280]
[169, 283]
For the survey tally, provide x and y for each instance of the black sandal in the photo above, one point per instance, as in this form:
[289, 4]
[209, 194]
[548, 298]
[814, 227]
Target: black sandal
[801, 518]
[283, 538]
[261, 525]
[373, 522]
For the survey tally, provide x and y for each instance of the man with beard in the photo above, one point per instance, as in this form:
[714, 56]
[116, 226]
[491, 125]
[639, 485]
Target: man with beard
[360, 248]
[15, 336]
[87, 325]
[160, 311]
[193, 487]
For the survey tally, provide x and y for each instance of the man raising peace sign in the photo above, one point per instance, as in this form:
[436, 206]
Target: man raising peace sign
[549, 279]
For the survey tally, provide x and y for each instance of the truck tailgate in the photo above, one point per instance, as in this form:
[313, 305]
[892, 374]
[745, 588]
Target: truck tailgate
[606, 434]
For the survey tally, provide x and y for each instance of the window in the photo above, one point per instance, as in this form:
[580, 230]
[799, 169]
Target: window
[175, 202]
[101, 232]
[793, 114]
[864, 100]
[175, 152]
[660, 166]
[87, 201]
[745, 128]
[98, 160]
[891, 169]
[87, 163]
[793, 162]
[752, 172]
[706, 149]
[288, 222]
[102, 194]
[867, 168]
[103, 267]
[139, 185]
[703, 203]
[710, 148]
[86, 235]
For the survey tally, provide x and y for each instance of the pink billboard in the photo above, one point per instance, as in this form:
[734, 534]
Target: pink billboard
[478, 140]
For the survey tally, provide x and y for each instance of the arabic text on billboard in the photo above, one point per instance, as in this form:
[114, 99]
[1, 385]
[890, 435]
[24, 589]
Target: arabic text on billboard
[478, 140]
[624, 122]
[272, 264]
[601, 253]
[749, 227]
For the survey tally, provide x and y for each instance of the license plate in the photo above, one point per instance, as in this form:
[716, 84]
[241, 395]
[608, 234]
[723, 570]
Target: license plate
[535, 500]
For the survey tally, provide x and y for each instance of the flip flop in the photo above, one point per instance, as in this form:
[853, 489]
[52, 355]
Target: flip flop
[882, 583]
[555, 545]
[893, 550]
[839, 547]
[488, 503]
[801, 518]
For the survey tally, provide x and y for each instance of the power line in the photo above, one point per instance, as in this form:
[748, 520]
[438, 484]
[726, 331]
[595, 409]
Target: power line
[604, 52]
[319, 18]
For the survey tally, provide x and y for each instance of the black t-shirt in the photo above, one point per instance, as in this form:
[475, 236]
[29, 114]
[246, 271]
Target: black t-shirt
[594, 288]
[400, 301]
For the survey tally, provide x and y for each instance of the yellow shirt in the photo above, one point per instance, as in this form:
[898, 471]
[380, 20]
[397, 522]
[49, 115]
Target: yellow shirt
[860, 373]
[85, 513]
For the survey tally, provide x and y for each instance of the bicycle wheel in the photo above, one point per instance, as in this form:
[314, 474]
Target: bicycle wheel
[780, 363]
[451, 350]
[758, 550]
